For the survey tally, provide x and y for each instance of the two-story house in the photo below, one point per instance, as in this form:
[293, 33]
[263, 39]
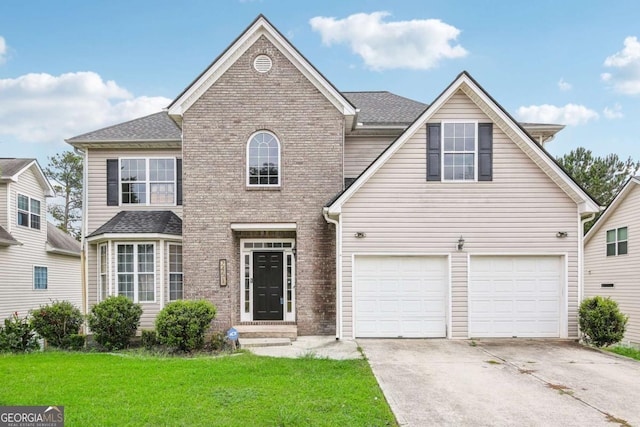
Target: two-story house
[38, 262]
[286, 202]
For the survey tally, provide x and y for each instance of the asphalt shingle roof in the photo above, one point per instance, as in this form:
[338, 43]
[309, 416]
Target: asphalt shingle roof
[148, 222]
[6, 238]
[10, 166]
[60, 240]
[385, 108]
[155, 127]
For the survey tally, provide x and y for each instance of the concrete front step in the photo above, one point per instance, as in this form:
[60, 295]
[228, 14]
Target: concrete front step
[266, 331]
[264, 342]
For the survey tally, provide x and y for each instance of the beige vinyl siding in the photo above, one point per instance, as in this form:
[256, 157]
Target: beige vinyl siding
[621, 270]
[4, 207]
[97, 210]
[361, 151]
[17, 262]
[519, 212]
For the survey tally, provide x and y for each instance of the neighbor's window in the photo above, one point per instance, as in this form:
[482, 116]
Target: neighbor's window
[136, 271]
[40, 280]
[617, 241]
[103, 289]
[459, 151]
[263, 160]
[148, 181]
[28, 212]
[175, 272]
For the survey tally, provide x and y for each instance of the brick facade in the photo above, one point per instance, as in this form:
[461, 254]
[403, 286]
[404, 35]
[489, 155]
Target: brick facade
[216, 129]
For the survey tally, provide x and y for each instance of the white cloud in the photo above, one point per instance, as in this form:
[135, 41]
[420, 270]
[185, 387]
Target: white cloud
[570, 114]
[3, 50]
[46, 108]
[416, 44]
[613, 113]
[625, 77]
[564, 86]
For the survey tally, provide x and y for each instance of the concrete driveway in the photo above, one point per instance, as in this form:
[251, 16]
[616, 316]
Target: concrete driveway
[504, 382]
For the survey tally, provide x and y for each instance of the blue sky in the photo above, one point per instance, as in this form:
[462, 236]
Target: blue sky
[75, 66]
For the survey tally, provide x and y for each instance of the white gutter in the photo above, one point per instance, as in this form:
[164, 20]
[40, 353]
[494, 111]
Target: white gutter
[338, 224]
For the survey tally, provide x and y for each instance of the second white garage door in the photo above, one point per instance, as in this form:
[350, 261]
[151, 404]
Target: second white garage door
[515, 296]
[400, 296]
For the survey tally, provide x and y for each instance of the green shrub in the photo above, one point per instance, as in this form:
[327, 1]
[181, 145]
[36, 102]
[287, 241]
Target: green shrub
[57, 322]
[149, 339]
[601, 321]
[77, 341]
[17, 335]
[182, 324]
[114, 321]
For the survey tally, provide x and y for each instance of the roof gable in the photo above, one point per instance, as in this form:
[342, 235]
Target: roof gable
[613, 206]
[12, 168]
[260, 27]
[502, 119]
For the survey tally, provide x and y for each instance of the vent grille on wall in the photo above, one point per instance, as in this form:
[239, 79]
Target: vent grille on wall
[262, 63]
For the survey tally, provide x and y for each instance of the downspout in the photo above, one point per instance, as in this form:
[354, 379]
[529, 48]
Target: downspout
[83, 232]
[338, 225]
[581, 256]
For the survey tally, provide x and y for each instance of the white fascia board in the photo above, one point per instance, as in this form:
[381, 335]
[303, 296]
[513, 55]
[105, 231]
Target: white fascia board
[239, 47]
[611, 208]
[275, 226]
[132, 236]
[589, 205]
[54, 250]
[44, 182]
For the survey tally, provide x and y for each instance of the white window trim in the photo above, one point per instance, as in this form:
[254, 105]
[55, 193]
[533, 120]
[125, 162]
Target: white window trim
[615, 242]
[148, 181]
[33, 277]
[475, 152]
[135, 271]
[29, 212]
[100, 273]
[169, 272]
[279, 161]
[286, 316]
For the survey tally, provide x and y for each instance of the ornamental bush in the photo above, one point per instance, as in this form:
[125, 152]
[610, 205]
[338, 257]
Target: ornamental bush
[114, 321]
[17, 335]
[57, 322]
[601, 321]
[182, 324]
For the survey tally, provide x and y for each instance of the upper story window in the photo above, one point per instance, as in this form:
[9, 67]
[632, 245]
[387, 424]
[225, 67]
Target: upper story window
[263, 160]
[459, 151]
[617, 241]
[28, 212]
[148, 181]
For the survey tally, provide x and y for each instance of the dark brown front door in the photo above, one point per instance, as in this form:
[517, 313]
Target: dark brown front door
[267, 285]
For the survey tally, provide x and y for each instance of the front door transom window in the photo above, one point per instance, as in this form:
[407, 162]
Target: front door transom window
[263, 160]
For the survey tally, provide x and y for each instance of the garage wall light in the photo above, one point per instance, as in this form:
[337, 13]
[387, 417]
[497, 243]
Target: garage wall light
[460, 243]
[360, 235]
[561, 234]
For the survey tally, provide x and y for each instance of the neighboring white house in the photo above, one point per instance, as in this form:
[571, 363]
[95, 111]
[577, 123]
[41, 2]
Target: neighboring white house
[38, 262]
[611, 259]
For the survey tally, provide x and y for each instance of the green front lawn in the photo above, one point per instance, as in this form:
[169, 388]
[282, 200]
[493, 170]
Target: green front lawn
[242, 390]
[633, 353]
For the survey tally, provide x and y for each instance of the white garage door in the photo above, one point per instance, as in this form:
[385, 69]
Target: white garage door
[400, 296]
[515, 296]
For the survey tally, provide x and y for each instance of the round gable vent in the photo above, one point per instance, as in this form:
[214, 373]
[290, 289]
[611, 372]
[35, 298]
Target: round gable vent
[262, 63]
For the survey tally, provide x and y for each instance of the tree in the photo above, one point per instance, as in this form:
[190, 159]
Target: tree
[65, 173]
[602, 177]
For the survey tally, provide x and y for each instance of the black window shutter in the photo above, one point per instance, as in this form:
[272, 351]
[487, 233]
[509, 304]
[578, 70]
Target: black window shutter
[112, 182]
[433, 152]
[178, 181]
[485, 151]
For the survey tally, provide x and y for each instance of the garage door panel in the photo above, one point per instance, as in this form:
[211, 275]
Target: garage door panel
[515, 296]
[400, 296]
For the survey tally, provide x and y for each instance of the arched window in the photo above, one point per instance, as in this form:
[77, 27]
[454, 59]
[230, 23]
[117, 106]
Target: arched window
[263, 160]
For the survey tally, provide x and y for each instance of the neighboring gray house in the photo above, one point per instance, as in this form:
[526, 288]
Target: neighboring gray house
[612, 258]
[38, 262]
[292, 205]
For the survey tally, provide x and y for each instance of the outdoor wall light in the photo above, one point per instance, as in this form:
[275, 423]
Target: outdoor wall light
[561, 234]
[359, 235]
[460, 243]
